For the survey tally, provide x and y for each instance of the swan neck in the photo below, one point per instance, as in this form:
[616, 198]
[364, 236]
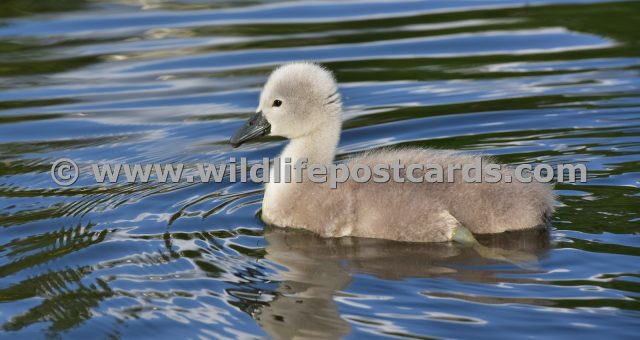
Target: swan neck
[318, 147]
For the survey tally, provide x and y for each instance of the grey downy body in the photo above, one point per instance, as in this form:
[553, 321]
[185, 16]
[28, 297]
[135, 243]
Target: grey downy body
[300, 101]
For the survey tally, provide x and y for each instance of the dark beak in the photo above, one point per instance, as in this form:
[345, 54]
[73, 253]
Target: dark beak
[256, 126]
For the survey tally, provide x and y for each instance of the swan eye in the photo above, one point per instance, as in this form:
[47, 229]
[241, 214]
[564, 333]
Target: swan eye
[277, 103]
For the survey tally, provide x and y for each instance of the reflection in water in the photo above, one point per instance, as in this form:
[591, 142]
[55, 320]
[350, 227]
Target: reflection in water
[66, 300]
[155, 81]
[316, 269]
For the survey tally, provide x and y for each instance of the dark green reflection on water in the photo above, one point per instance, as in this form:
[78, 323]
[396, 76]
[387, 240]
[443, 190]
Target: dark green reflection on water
[192, 260]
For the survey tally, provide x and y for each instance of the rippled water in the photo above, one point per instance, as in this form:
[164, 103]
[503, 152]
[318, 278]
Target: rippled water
[168, 81]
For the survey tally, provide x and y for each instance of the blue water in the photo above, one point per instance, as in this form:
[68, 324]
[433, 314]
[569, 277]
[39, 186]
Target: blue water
[169, 81]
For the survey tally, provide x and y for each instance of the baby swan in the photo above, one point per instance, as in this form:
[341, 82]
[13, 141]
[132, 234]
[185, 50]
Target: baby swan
[300, 101]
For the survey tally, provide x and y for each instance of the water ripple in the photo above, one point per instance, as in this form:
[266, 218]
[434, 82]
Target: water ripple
[168, 81]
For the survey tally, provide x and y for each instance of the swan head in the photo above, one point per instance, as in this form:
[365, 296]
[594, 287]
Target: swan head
[298, 99]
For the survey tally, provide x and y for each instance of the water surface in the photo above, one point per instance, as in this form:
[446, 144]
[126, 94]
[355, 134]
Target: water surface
[169, 81]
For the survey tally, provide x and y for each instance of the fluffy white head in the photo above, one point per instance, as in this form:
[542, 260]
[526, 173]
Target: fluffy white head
[299, 99]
